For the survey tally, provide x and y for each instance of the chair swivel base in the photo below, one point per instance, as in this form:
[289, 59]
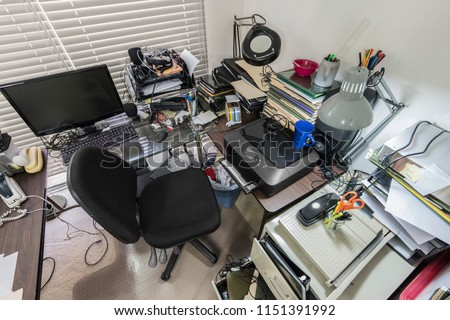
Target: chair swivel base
[176, 252]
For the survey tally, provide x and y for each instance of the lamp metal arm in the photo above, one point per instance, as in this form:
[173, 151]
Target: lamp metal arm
[394, 106]
[254, 22]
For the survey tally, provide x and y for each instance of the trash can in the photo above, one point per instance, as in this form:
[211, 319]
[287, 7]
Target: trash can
[225, 188]
[226, 198]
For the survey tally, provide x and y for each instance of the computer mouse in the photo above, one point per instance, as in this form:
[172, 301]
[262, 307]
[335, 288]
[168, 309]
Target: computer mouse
[161, 136]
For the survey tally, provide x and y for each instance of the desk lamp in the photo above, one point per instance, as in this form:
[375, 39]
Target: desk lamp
[349, 109]
[343, 114]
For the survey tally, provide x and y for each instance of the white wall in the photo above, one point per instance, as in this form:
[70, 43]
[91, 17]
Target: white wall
[219, 17]
[415, 35]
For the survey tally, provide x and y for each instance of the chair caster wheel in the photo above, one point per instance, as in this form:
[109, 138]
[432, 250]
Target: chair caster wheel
[165, 276]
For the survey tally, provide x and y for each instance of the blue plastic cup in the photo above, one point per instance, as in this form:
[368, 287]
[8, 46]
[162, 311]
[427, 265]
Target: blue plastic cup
[303, 132]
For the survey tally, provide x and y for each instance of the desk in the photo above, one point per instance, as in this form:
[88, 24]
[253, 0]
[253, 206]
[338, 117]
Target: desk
[286, 197]
[26, 235]
[377, 276]
[137, 150]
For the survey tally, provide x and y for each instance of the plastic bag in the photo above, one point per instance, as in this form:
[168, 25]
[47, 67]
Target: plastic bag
[223, 181]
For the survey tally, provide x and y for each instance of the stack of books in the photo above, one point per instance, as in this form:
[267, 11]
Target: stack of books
[212, 90]
[297, 98]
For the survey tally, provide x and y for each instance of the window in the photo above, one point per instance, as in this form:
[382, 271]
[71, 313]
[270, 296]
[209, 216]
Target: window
[48, 36]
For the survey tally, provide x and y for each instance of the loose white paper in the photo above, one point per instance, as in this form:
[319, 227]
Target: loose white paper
[8, 269]
[431, 179]
[407, 207]
[204, 117]
[166, 85]
[190, 60]
[394, 224]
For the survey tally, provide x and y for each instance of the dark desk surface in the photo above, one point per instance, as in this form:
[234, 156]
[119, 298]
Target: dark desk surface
[26, 235]
[286, 197]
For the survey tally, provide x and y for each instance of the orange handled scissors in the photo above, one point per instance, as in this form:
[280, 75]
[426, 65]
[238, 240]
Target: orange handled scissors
[349, 201]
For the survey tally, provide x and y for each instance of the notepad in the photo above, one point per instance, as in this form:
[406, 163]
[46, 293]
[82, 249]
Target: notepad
[333, 253]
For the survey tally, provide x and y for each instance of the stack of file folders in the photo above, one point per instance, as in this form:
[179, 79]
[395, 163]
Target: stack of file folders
[297, 98]
[413, 190]
[213, 88]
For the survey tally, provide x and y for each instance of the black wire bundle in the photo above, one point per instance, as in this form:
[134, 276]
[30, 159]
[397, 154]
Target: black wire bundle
[243, 270]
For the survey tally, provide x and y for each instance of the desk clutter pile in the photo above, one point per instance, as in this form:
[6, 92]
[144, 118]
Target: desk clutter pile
[156, 72]
[261, 90]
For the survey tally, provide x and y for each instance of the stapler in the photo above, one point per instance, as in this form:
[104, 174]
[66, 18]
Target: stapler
[317, 208]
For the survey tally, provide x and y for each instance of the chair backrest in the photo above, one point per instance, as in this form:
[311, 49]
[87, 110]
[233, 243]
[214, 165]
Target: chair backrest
[105, 187]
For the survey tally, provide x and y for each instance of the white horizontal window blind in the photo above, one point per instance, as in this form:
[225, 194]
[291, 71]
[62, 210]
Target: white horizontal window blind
[50, 36]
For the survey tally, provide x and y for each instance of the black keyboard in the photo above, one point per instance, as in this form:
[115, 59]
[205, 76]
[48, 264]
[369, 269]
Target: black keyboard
[105, 139]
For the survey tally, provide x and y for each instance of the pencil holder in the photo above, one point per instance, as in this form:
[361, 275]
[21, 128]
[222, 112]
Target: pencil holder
[326, 73]
[330, 223]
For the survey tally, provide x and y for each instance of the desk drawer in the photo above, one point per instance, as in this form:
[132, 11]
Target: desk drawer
[277, 282]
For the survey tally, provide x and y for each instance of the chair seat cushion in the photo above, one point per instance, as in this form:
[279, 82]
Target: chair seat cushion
[178, 207]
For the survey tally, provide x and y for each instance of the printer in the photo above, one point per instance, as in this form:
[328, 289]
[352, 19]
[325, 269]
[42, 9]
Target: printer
[261, 155]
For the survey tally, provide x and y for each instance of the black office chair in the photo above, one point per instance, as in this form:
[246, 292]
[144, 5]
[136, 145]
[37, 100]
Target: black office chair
[171, 210]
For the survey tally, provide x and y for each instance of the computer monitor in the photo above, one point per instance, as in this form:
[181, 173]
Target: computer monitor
[62, 101]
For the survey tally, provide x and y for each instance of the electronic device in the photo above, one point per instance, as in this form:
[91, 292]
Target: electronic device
[105, 139]
[132, 111]
[316, 209]
[152, 66]
[177, 103]
[66, 100]
[10, 191]
[10, 158]
[259, 157]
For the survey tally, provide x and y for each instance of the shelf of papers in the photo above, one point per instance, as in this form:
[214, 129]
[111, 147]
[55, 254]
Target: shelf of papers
[413, 204]
[401, 180]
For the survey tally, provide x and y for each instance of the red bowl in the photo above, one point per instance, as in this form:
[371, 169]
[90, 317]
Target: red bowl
[304, 67]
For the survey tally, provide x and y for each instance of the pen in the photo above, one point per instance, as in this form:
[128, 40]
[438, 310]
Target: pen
[382, 57]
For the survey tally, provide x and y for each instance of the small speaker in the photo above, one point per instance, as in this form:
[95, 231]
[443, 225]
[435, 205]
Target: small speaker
[136, 56]
[130, 110]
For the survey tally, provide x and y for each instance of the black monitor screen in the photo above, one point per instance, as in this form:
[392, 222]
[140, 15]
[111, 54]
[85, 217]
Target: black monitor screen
[65, 100]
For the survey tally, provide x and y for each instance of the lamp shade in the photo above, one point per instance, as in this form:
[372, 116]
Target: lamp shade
[349, 109]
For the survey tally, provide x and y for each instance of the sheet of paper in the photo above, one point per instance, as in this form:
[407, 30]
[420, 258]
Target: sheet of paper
[376, 192]
[392, 223]
[247, 90]
[162, 86]
[420, 236]
[190, 60]
[407, 207]
[15, 295]
[255, 72]
[8, 269]
[432, 178]
[204, 117]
